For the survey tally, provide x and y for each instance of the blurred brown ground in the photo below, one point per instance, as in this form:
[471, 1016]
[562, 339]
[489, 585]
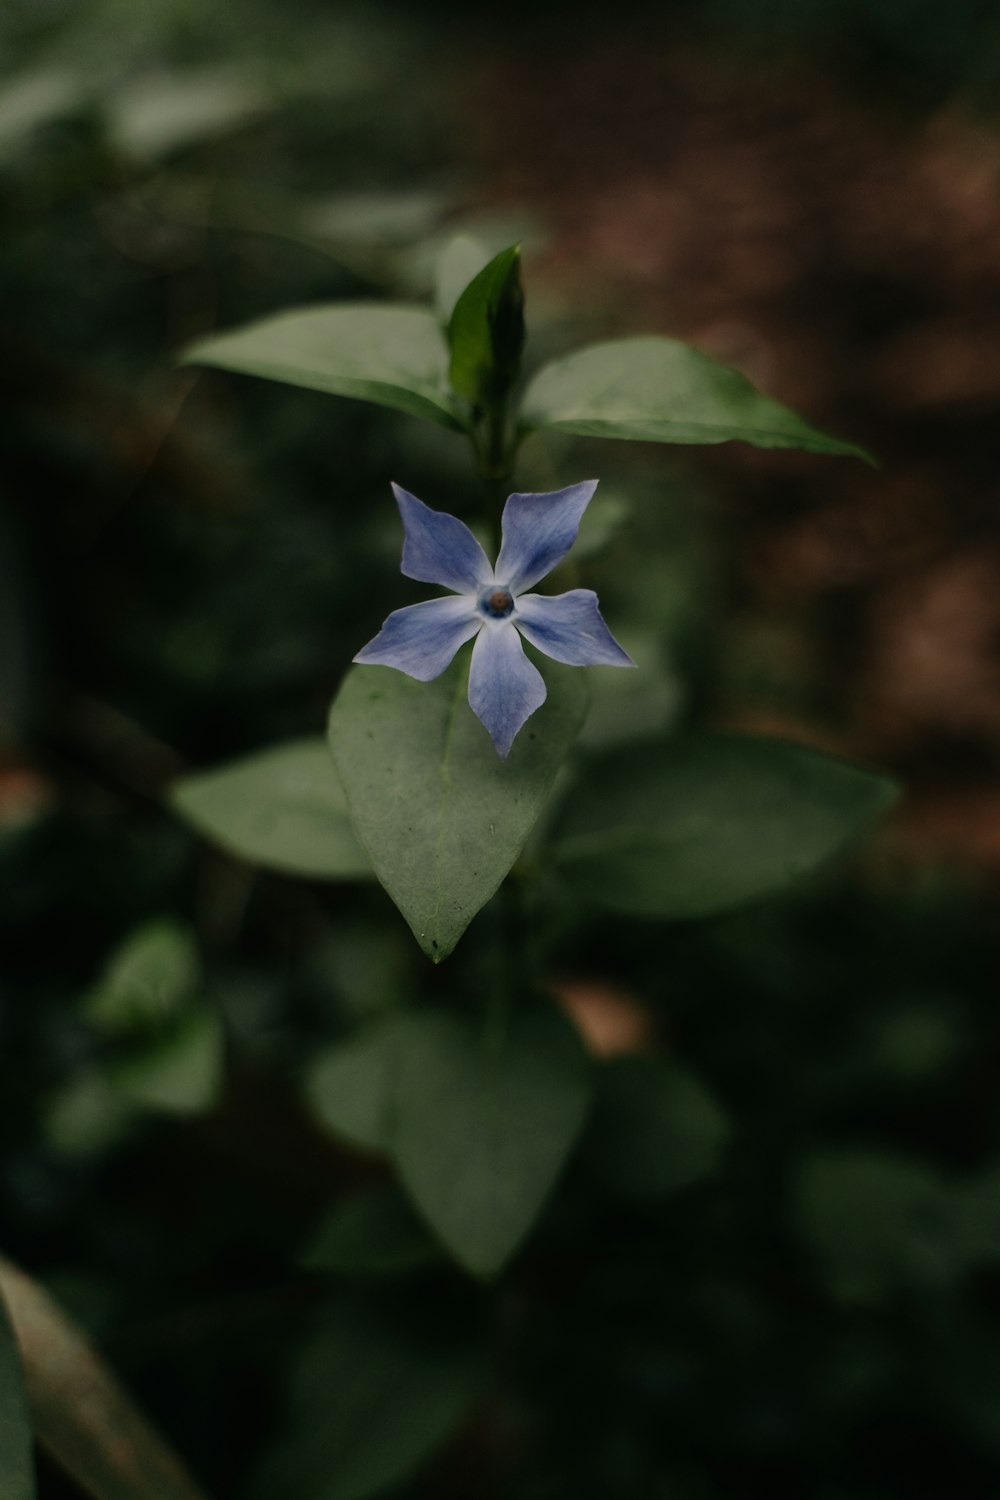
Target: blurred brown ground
[846, 257]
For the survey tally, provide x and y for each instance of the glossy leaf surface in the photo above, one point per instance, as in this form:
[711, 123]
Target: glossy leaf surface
[663, 391]
[390, 355]
[441, 815]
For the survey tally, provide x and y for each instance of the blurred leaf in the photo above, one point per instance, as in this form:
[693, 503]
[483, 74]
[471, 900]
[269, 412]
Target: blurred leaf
[149, 980]
[370, 1401]
[17, 1467]
[656, 1128]
[602, 521]
[486, 330]
[86, 1115]
[684, 828]
[162, 113]
[282, 808]
[662, 391]
[80, 1413]
[371, 1233]
[629, 705]
[180, 1073]
[460, 262]
[482, 1123]
[33, 99]
[349, 1086]
[391, 355]
[877, 1220]
[975, 1215]
[378, 218]
[441, 814]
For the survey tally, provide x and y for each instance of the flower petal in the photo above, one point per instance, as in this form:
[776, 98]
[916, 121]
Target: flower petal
[440, 548]
[504, 687]
[569, 628]
[538, 531]
[422, 639]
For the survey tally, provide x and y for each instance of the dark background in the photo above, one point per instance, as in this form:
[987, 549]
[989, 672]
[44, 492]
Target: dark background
[188, 561]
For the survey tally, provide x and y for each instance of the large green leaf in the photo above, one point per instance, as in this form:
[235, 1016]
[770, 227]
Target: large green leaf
[282, 808]
[17, 1469]
[662, 391]
[482, 1122]
[442, 816]
[372, 1397]
[391, 355]
[681, 828]
[656, 1128]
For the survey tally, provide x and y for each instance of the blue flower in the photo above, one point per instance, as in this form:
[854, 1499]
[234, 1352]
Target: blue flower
[490, 604]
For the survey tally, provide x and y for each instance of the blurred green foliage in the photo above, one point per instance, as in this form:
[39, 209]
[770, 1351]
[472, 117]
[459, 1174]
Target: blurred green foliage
[805, 1300]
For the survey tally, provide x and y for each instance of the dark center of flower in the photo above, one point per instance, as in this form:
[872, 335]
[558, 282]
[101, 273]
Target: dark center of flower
[497, 603]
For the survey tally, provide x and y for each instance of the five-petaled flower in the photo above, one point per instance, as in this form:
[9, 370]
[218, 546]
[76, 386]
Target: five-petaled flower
[421, 640]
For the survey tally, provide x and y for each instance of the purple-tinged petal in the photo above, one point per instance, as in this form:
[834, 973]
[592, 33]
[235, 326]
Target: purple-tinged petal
[504, 687]
[422, 639]
[538, 531]
[440, 548]
[569, 628]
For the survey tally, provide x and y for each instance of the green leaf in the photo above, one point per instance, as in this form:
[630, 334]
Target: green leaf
[391, 355]
[282, 808]
[349, 1087]
[482, 1123]
[442, 816]
[683, 828]
[656, 1128]
[181, 1073]
[81, 1415]
[17, 1468]
[372, 1233]
[662, 391]
[372, 1398]
[149, 980]
[486, 331]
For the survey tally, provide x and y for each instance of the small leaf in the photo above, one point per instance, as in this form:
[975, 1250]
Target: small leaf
[482, 1125]
[80, 1413]
[282, 808]
[684, 828]
[656, 1128]
[349, 1086]
[372, 1233]
[441, 815]
[149, 980]
[372, 1399]
[486, 331]
[181, 1073]
[390, 355]
[17, 1467]
[663, 391]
